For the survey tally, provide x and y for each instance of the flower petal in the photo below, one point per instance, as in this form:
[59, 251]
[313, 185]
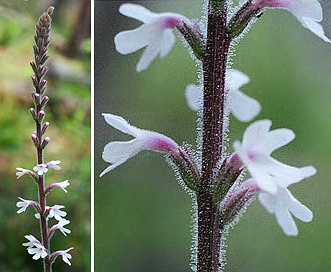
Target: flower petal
[120, 124]
[194, 97]
[243, 107]
[255, 134]
[137, 12]
[168, 41]
[150, 53]
[278, 138]
[299, 210]
[113, 166]
[285, 221]
[305, 8]
[129, 41]
[314, 27]
[235, 79]
[119, 151]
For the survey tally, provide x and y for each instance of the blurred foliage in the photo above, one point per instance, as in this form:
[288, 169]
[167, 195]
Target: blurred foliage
[142, 216]
[69, 115]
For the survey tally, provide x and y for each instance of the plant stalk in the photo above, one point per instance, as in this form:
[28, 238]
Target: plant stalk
[214, 69]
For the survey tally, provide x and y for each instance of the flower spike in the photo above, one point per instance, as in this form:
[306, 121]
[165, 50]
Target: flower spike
[117, 153]
[155, 34]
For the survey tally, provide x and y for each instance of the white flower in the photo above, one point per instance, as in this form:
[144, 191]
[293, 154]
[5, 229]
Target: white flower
[22, 172]
[243, 107]
[308, 12]
[255, 150]
[54, 165]
[283, 204]
[40, 169]
[65, 255]
[60, 226]
[24, 204]
[32, 241]
[38, 251]
[35, 247]
[63, 185]
[55, 211]
[117, 153]
[155, 34]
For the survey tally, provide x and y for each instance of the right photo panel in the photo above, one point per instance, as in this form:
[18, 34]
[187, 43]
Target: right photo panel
[212, 145]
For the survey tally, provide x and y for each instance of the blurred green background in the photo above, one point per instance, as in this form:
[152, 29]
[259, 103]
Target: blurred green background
[69, 115]
[142, 216]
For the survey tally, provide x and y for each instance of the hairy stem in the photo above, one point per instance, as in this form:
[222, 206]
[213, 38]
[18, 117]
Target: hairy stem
[214, 69]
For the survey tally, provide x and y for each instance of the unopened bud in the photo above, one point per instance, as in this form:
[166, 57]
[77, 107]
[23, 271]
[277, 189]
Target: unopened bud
[33, 113]
[34, 81]
[186, 168]
[44, 128]
[41, 115]
[237, 200]
[35, 140]
[193, 35]
[45, 142]
[226, 177]
[50, 10]
[44, 101]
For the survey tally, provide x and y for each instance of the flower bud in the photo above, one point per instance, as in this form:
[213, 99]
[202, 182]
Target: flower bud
[45, 142]
[44, 100]
[33, 113]
[45, 127]
[35, 140]
[41, 115]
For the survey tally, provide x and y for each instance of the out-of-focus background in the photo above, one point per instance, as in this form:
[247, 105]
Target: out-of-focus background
[142, 216]
[69, 115]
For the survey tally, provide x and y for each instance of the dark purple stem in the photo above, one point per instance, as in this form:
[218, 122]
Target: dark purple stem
[214, 69]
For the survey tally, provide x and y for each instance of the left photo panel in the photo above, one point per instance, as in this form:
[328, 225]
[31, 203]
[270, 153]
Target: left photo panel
[45, 135]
